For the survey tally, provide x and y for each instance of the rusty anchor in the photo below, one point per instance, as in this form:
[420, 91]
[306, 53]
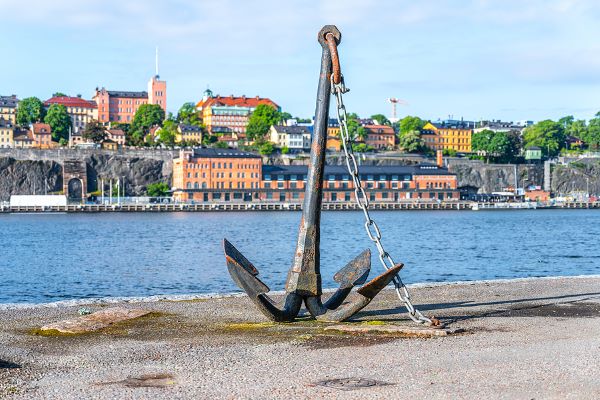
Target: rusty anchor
[304, 280]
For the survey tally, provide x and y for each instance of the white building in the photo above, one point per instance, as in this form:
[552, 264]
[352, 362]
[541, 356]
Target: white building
[296, 138]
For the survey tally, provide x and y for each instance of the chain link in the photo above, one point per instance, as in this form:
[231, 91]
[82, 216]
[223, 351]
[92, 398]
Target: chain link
[362, 201]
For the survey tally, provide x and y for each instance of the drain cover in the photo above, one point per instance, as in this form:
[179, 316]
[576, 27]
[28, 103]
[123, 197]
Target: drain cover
[351, 383]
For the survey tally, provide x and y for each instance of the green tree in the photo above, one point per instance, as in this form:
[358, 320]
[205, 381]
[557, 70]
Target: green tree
[381, 119]
[59, 94]
[285, 150]
[592, 133]
[158, 189]
[410, 141]
[410, 123]
[146, 116]
[284, 116]
[168, 133]
[188, 114]
[30, 110]
[548, 135]
[261, 120]
[566, 121]
[59, 121]
[220, 145]
[266, 148]
[355, 129]
[94, 131]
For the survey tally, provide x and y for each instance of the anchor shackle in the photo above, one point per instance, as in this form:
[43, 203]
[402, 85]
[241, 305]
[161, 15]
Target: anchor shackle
[331, 37]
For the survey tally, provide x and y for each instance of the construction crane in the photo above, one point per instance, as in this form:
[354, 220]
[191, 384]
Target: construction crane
[394, 101]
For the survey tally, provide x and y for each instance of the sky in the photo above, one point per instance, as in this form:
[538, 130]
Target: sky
[476, 59]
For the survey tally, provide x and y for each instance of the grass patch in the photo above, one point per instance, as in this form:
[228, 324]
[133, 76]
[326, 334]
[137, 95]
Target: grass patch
[249, 326]
[374, 323]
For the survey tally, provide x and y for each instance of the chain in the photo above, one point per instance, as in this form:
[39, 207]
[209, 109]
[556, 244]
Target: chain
[362, 201]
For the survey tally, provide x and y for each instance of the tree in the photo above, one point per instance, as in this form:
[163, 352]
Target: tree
[566, 121]
[188, 114]
[381, 119]
[157, 189]
[146, 116]
[548, 135]
[410, 123]
[285, 150]
[168, 133]
[30, 110]
[284, 116]
[59, 121]
[94, 131]
[221, 145]
[266, 148]
[263, 117]
[59, 94]
[592, 133]
[355, 129]
[410, 141]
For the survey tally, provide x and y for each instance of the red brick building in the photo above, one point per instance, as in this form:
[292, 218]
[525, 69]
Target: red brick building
[380, 137]
[216, 175]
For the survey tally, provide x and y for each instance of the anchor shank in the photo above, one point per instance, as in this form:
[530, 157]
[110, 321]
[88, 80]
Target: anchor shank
[304, 277]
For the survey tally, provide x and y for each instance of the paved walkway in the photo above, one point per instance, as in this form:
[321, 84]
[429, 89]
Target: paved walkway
[525, 339]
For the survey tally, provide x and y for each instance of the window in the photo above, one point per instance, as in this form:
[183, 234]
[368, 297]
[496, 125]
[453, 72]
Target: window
[267, 177]
[267, 185]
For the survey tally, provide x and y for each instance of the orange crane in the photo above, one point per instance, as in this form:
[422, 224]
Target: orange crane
[395, 102]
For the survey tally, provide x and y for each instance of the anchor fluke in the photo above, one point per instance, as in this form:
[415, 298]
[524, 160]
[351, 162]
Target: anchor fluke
[244, 274]
[365, 294]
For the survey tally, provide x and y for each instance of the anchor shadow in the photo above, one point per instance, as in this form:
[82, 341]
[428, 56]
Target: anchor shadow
[8, 365]
[579, 297]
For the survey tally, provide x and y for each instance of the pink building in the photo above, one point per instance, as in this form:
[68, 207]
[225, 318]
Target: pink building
[120, 106]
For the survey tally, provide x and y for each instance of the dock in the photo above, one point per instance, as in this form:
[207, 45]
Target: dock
[286, 206]
[519, 339]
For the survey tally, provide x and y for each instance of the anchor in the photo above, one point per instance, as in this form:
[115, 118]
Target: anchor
[303, 283]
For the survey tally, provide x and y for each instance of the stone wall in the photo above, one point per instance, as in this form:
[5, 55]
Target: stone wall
[488, 178]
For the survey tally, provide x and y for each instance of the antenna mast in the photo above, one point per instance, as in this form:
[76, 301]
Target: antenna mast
[156, 60]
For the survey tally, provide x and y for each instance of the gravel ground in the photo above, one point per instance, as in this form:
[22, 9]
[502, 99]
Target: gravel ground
[524, 339]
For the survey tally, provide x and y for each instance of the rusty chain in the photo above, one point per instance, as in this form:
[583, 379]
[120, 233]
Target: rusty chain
[373, 231]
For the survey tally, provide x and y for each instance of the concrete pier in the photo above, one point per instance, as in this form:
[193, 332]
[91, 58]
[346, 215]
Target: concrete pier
[533, 338]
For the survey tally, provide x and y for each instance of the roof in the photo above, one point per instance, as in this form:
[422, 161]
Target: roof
[454, 125]
[40, 128]
[227, 139]
[381, 129]
[294, 129]
[189, 128]
[116, 132]
[533, 148]
[122, 93]
[9, 101]
[422, 169]
[235, 101]
[22, 135]
[223, 153]
[69, 101]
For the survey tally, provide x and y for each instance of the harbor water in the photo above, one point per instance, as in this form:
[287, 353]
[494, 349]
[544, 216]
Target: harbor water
[51, 257]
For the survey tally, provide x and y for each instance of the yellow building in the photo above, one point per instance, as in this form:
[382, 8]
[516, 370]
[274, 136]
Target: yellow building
[7, 131]
[189, 134]
[440, 136]
[8, 108]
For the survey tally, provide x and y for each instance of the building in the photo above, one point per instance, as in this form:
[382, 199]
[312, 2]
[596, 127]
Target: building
[42, 136]
[296, 138]
[380, 137]
[81, 111]
[533, 154]
[23, 139]
[216, 175]
[7, 132]
[189, 134]
[117, 136]
[224, 115]
[334, 143]
[108, 144]
[205, 174]
[120, 106]
[443, 136]
[8, 108]
[498, 126]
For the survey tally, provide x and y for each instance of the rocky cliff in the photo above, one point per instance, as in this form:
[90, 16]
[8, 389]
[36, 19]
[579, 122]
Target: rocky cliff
[20, 174]
[579, 176]
[29, 177]
[488, 178]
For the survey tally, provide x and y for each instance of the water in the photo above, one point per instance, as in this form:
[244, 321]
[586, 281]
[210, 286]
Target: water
[54, 257]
